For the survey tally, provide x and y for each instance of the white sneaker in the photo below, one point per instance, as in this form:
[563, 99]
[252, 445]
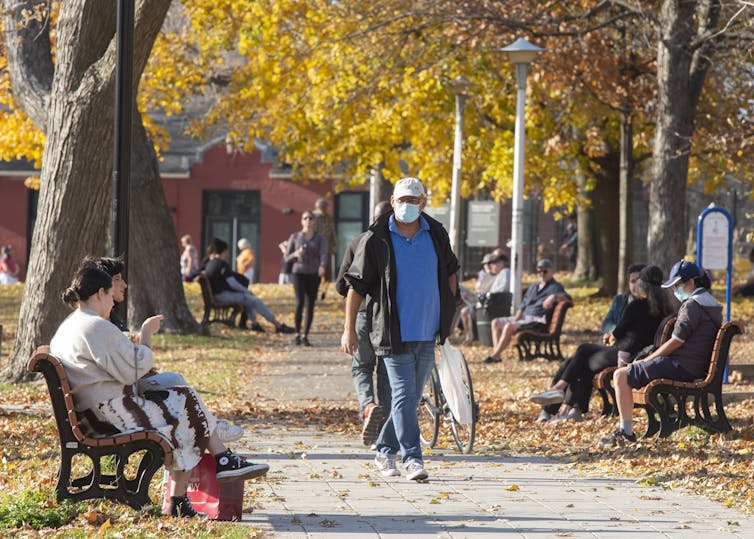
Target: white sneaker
[386, 466]
[551, 396]
[415, 471]
[227, 431]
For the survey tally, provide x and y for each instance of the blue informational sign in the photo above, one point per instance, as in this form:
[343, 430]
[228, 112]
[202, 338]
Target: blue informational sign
[714, 248]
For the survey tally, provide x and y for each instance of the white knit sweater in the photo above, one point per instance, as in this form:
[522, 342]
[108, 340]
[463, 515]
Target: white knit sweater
[98, 359]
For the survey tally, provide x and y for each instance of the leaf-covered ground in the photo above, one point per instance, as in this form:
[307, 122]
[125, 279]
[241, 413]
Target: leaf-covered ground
[221, 366]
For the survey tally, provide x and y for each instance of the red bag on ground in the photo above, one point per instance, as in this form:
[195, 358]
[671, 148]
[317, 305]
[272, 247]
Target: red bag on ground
[220, 501]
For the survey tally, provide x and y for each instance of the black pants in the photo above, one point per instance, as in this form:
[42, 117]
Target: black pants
[579, 372]
[305, 285]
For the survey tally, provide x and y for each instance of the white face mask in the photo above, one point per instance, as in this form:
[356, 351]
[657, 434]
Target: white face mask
[681, 294]
[406, 213]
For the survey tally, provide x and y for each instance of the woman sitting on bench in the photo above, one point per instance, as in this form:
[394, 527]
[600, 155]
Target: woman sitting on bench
[684, 357]
[102, 364]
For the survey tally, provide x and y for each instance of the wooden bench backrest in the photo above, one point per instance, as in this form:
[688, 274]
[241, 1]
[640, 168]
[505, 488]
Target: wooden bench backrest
[60, 394]
[720, 350]
[558, 317]
[207, 296]
[665, 329]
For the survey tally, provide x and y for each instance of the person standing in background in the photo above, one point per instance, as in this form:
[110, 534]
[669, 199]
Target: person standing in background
[8, 267]
[324, 225]
[189, 258]
[245, 259]
[308, 252]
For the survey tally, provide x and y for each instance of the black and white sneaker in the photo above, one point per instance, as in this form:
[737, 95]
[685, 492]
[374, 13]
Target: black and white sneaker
[180, 506]
[231, 467]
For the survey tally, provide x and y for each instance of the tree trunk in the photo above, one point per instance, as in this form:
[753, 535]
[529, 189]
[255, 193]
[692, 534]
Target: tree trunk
[605, 198]
[74, 202]
[681, 70]
[153, 250]
[585, 265]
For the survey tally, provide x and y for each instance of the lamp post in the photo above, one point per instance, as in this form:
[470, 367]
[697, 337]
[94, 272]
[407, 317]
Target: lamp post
[460, 86]
[521, 53]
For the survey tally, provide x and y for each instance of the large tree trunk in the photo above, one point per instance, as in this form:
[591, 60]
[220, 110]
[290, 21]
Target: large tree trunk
[153, 250]
[605, 198]
[74, 202]
[681, 70]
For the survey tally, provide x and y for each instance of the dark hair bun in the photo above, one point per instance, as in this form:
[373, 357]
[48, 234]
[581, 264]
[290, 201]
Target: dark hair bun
[651, 275]
[70, 296]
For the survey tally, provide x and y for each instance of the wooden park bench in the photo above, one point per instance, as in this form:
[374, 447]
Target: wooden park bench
[149, 449]
[216, 311]
[603, 380]
[672, 405]
[534, 344]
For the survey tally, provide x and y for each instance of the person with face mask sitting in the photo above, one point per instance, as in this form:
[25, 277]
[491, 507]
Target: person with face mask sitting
[406, 269]
[684, 357]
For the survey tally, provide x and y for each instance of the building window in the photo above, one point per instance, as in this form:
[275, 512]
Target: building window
[351, 218]
[230, 216]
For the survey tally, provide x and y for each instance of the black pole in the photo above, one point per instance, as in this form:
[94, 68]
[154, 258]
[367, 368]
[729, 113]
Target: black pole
[123, 118]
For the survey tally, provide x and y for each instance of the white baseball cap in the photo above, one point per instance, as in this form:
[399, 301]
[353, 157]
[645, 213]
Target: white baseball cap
[408, 187]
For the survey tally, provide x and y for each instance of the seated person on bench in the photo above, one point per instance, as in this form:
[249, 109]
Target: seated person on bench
[225, 287]
[635, 330]
[497, 279]
[153, 380]
[102, 364]
[684, 357]
[540, 299]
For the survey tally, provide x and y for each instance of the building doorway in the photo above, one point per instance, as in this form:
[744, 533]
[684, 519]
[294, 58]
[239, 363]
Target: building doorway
[230, 216]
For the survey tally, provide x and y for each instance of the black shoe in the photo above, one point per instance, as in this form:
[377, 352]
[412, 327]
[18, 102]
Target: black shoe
[256, 327]
[306, 342]
[492, 359]
[282, 328]
[230, 467]
[618, 438]
[297, 340]
[242, 321]
[180, 506]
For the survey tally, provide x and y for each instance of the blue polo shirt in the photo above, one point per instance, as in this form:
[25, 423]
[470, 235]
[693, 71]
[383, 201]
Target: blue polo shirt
[417, 290]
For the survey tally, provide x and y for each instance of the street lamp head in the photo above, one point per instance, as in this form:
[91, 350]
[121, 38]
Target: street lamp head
[521, 51]
[461, 85]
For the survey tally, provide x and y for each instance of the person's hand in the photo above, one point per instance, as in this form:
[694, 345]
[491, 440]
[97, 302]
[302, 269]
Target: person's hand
[151, 326]
[549, 302]
[299, 252]
[606, 339]
[321, 271]
[349, 342]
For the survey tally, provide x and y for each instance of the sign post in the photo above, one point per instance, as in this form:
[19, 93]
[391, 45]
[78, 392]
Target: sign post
[714, 248]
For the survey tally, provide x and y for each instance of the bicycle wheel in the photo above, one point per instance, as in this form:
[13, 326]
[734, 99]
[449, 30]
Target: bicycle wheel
[429, 411]
[464, 433]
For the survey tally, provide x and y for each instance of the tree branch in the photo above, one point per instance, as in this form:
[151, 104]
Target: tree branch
[29, 58]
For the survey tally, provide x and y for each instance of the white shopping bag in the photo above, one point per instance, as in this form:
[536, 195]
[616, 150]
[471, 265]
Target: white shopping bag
[450, 368]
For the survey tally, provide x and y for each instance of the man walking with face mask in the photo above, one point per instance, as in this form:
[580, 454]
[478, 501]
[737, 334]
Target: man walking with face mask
[406, 270]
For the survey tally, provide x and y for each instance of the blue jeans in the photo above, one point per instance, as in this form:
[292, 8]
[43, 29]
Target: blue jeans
[408, 373]
[251, 304]
[362, 370]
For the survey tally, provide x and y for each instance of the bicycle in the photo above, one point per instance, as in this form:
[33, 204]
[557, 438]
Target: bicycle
[433, 407]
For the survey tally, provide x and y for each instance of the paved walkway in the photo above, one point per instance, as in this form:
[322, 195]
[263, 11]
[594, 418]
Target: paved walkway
[323, 486]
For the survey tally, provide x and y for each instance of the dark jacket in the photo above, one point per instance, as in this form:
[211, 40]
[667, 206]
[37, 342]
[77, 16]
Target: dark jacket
[372, 275]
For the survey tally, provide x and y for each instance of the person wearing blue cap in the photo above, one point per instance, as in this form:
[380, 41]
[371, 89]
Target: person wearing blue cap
[683, 357]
